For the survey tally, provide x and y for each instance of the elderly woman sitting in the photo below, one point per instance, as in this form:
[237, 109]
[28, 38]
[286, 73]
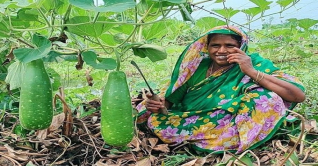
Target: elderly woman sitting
[220, 97]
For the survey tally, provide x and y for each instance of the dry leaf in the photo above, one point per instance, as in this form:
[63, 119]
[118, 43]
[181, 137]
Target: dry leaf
[144, 162]
[103, 162]
[153, 142]
[200, 161]
[16, 154]
[41, 134]
[190, 163]
[45, 142]
[162, 148]
[135, 143]
[153, 159]
[226, 157]
[264, 159]
[6, 162]
[313, 123]
[57, 122]
[280, 146]
[145, 145]
[100, 163]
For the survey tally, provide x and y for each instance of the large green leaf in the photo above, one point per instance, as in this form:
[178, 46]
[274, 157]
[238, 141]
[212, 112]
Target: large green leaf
[27, 14]
[109, 39]
[86, 27]
[263, 4]
[54, 56]
[58, 6]
[125, 28]
[284, 3]
[227, 13]
[42, 48]
[15, 72]
[28, 3]
[90, 58]
[173, 1]
[55, 79]
[106, 6]
[153, 52]
[307, 23]
[252, 11]
[207, 23]
[156, 30]
[4, 31]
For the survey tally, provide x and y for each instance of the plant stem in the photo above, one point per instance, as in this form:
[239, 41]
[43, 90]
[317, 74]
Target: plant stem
[24, 42]
[118, 60]
[44, 17]
[313, 144]
[96, 17]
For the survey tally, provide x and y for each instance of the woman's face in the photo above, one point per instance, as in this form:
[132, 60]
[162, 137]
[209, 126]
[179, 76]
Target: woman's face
[219, 47]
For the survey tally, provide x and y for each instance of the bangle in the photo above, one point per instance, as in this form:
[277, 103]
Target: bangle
[257, 80]
[257, 75]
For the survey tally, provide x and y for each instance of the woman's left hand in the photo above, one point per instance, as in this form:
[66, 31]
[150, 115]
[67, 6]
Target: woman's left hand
[243, 60]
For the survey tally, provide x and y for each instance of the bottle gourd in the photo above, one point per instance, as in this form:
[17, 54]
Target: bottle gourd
[36, 100]
[117, 127]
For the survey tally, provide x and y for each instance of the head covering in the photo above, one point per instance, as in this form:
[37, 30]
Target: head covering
[191, 57]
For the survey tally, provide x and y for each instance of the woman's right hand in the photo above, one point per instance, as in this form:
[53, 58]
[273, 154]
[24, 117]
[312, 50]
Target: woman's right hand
[153, 105]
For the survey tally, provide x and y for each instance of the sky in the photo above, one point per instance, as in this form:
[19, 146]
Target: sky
[303, 9]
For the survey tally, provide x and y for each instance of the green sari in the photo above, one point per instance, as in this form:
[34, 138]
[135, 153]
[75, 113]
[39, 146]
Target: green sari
[225, 111]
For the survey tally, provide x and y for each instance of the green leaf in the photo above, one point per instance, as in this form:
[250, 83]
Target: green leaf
[153, 52]
[108, 39]
[86, 27]
[284, 3]
[227, 13]
[43, 47]
[206, 23]
[186, 12]
[28, 3]
[307, 23]
[303, 53]
[58, 6]
[55, 79]
[107, 6]
[27, 14]
[4, 31]
[263, 4]
[281, 32]
[292, 160]
[90, 58]
[252, 11]
[173, 1]
[54, 56]
[15, 72]
[219, 1]
[247, 161]
[156, 30]
[20, 131]
[126, 28]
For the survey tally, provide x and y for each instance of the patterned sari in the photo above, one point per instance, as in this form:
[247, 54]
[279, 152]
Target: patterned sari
[225, 111]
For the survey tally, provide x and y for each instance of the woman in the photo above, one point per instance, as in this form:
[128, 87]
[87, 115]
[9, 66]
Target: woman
[222, 98]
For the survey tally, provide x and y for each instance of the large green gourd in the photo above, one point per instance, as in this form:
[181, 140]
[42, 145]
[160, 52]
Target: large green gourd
[116, 111]
[36, 100]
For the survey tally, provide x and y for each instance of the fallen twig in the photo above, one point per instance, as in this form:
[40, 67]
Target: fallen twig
[300, 136]
[11, 159]
[90, 137]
